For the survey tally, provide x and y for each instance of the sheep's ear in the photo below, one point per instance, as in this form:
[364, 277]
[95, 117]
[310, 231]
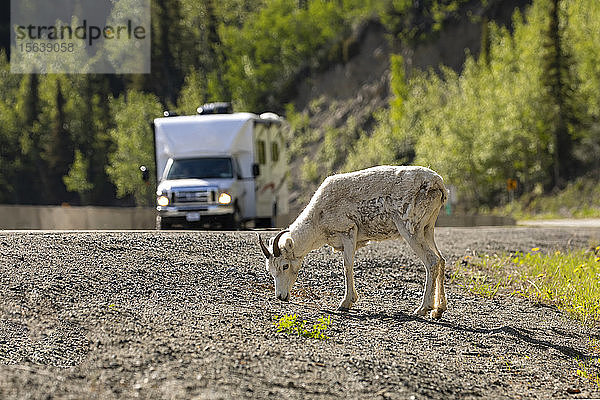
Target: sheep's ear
[289, 244]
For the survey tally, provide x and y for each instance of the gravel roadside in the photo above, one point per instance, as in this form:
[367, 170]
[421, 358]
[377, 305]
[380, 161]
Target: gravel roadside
[152, 315]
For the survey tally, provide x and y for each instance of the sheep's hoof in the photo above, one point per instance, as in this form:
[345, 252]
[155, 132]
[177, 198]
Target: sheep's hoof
[422, 311]
[437, 314]
[343, 307]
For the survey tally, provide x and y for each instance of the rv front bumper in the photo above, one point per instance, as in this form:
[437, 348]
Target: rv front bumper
[183, 211]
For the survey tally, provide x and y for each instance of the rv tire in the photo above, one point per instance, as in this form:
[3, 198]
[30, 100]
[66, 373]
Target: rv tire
[160, 225]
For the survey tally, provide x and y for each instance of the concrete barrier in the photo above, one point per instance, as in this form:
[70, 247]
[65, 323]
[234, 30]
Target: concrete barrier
[474, 220]
[110, 218]
[56, 217]
[446, 220]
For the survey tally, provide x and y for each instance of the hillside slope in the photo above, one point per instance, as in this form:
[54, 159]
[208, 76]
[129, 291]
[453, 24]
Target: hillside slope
[352, 91]
[336, 105]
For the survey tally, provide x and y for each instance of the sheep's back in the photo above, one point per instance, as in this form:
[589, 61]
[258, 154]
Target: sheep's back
[371, 198]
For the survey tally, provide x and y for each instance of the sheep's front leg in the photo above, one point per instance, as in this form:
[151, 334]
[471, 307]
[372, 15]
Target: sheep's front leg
[349, 245]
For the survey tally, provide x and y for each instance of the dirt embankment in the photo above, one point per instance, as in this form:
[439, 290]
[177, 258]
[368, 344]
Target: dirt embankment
[189, 315]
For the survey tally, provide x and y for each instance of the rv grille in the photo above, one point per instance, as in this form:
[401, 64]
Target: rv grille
[193, 195]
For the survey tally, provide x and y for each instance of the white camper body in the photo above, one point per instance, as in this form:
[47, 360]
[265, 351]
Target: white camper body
[225, 169]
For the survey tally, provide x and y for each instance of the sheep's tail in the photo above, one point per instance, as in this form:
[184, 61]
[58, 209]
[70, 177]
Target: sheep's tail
[427, 205]
[439, 185]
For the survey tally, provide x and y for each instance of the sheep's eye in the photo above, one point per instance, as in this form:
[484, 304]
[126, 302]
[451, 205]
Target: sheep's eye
[286, 266]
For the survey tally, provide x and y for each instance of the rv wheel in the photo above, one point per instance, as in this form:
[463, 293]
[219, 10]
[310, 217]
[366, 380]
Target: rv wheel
[233, 221]
[160, 225]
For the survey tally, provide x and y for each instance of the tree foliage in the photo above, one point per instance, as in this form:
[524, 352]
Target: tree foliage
[523, 110]
[271, 48]
[526, 109]
[69, 138]
[134, 142]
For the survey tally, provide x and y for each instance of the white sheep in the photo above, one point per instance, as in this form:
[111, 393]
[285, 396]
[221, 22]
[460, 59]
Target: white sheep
[349, 210]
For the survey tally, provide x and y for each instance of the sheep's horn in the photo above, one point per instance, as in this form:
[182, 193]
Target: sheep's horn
[263, 247]
[276, 250]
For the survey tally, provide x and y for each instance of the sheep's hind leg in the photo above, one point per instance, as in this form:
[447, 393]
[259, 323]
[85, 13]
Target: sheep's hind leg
[440, 304]
[349, 246]
[430, 260]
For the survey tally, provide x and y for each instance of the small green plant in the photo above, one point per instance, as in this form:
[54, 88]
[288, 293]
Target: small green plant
[291, 325]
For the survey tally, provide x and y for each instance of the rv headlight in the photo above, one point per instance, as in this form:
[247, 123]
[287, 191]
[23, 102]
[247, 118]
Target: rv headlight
[224, 198]
[162, 201]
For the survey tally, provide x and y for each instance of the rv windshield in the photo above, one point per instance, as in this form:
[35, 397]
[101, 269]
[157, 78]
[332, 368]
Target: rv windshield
[201, 168]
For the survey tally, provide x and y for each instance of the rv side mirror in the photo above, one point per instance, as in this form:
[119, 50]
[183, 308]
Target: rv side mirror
[255, 170]
[145, 173]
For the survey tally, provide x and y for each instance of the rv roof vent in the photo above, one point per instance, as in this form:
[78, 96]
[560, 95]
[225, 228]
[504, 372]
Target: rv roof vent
[269, 115]
[215, 108]
[170, 113]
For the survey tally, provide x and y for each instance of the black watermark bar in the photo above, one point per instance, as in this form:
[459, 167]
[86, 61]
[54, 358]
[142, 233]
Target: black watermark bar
[72, 36]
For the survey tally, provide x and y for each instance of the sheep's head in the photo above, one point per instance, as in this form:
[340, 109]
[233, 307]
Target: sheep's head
[281, 263]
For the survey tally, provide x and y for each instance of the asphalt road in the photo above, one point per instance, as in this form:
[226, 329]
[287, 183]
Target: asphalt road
[178, 315]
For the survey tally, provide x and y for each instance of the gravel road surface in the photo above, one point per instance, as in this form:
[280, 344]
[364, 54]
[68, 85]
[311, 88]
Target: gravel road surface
[178, 315]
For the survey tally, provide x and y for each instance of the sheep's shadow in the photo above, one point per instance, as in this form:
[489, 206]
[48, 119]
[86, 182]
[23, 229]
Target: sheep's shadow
[518, 334]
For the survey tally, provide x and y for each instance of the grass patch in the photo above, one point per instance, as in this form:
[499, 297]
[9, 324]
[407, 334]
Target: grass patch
[569, 280]
[589, 370]
[291, 325]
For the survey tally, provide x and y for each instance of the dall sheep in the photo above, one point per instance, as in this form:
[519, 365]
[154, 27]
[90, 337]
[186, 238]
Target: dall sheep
[349, 210]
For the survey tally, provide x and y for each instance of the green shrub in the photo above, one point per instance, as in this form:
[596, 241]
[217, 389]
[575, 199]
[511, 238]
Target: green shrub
[580, 199]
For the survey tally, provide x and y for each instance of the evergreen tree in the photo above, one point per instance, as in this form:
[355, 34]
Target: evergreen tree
[558, 81]
[28, 184]
[30, 104]
[217, 87]
[91, 117]
[58, 151]
[85, 135]
[167, 74]
[10, 132]
[103, 191]
[484, 54]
